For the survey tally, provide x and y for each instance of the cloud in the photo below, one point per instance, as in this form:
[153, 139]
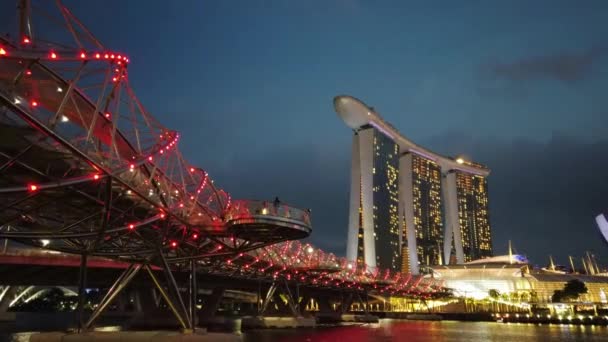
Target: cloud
[565, 67]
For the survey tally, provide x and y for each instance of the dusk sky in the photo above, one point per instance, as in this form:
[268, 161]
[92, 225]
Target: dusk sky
[521, 86]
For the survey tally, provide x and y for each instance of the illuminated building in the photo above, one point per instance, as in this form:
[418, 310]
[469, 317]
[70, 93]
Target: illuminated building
[410, 207]
[428, 221]
[514, 275]
[473, 216]
[374, 223]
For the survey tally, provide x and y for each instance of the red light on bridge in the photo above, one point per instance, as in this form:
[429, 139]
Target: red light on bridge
[191, 169]
[194, 236]
[33, 187]
[112, 56]
[108, 115]
[131, 226]
[34, 104]
[150, 158]
[106, 56]
[173, 244]
[26, 40]
[83, 55]
[162, 215]
[28, 72]
[97, 56]
[2, 52]
[53, 55]
[95, 177]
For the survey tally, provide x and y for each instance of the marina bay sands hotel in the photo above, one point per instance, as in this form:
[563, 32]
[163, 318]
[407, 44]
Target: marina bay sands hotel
[410, 207]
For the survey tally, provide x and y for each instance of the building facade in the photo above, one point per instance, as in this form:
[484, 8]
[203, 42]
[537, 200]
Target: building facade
[374, 197]
[473, 216]
[428, 219]
[475, 280]
[409, 207]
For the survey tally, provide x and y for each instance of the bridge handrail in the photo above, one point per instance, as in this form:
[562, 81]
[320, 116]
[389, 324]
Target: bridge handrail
[248, 208]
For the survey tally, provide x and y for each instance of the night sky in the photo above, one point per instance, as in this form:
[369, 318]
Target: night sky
[518, 85]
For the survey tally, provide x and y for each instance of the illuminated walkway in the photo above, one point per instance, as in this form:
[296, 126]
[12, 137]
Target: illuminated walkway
[86, 169]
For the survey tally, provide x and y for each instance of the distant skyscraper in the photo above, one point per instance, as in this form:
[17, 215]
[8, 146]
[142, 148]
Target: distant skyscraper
[428, 220]
[473, 216]
[374, 222]
[408, 204]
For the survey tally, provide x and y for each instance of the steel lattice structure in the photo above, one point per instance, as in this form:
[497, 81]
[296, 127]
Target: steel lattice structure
[86, 165]
[86, 169]
[312, 267]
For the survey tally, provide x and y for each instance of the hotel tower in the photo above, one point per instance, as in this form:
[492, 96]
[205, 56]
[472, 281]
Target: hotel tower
[410, 207]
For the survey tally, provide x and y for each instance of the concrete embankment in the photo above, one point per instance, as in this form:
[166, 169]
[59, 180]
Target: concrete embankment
[259, 322]
[430, 316]
[553, 319]
[135, 336]
[335, 318]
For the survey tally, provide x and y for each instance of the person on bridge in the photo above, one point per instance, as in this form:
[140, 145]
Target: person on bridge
[277, 202]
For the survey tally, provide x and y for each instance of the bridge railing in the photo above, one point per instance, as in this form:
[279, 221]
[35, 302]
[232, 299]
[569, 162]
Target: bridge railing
[256, 208]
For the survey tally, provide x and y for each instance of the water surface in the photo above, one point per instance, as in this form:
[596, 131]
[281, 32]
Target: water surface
[418, 331]
[445, 331]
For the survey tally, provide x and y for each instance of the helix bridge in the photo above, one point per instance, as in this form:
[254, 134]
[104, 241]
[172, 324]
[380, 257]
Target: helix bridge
[86, 169]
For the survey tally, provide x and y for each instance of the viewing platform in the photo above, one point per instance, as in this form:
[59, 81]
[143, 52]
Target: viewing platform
[255, 220]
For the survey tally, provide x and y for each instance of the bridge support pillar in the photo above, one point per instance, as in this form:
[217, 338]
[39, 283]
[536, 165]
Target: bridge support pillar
[346, 302]
[116, 288]
[362, 298]
[172, 295]
[193, 294]
[324, 305]
[288, 307]
[144, 300]
[82, 283]
[7, 295]
[302, 302]
[212, 303]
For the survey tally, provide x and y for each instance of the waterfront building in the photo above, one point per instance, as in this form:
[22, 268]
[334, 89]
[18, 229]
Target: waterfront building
[374, 239]
[513, 277]
[410, 207]
[473, 216]
[428, 219]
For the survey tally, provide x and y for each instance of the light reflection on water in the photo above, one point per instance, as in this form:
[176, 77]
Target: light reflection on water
[417, 331]
[446, 331]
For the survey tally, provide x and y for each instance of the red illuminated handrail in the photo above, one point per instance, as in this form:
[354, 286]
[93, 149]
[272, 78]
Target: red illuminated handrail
[257, 208]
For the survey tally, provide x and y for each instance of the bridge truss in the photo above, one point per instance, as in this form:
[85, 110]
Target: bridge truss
[86, 169]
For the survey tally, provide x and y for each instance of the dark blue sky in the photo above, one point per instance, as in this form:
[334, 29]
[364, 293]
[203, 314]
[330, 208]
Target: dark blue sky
[518, 85]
